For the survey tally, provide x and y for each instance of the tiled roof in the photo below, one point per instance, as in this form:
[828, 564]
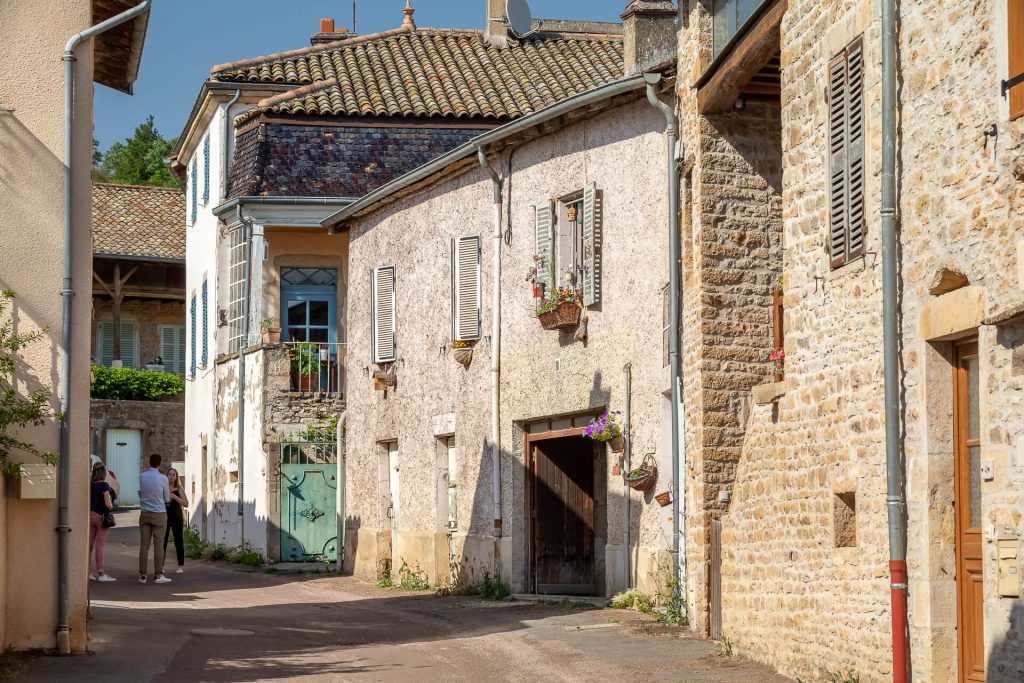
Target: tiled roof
[272, 159]
[133, 220]
[421, 72]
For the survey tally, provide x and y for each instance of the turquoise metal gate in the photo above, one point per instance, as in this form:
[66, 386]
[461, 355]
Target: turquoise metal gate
[309, 486]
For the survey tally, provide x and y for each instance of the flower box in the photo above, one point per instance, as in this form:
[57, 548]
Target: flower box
[565, 315]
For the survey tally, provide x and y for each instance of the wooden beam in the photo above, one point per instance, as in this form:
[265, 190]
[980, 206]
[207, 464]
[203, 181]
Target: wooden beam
[118, 297]
[753, 51]
[155, 293]
[102, 284]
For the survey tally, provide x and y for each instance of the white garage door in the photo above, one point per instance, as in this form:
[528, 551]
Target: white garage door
[124, 450]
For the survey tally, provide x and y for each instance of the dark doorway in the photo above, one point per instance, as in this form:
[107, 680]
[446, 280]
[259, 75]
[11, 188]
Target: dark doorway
[563, 505]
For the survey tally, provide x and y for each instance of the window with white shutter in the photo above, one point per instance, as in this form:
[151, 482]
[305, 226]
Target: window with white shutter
[382, 314]
[544, 253]
[172, 347]
[846, 155]
[466, 288]
[129, 343]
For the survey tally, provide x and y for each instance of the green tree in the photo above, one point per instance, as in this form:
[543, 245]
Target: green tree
[139, 160]
[18, 410]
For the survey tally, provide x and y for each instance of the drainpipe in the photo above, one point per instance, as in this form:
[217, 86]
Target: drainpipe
[672, 129]
[627, 384]
[895, 495]
[495, 343]
[225, 157]
[64, 490]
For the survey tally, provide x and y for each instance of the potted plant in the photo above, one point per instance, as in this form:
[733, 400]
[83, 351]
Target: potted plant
[606, 428]
[305, 366]
[561, 310]
[270, 331]
[778, 359]
[463, 352]
[643, 477]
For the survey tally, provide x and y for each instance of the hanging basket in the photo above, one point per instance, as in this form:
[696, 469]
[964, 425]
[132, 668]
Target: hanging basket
[565, 316]
[618, 444]
[643, 478]
[463, 356]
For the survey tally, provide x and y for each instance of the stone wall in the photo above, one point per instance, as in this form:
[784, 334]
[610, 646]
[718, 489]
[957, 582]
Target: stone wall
[162, 425]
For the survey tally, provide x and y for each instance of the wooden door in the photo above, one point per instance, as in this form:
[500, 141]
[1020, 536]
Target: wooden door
[967, 500]
[123, 456]
[563, 516]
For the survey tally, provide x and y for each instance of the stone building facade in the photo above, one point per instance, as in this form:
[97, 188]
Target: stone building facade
[794, 471]
[552, 382]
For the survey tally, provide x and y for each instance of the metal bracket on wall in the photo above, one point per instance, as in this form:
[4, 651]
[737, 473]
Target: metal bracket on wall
[1011, 83]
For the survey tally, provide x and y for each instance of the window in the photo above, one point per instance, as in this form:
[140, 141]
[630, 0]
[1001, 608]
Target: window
[466, 289]
[567, 256]
[195, 190]
[172, 348]
[195, 348]
[778, 336]
[206, 170]
[382, 314]
[453, 489]
[1015, 51]
[846, 154]
[205, 330]
[729, 17]
[236, 288]
[129, 343]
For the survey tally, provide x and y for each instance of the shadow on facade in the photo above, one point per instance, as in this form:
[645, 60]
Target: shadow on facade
[1006, 661]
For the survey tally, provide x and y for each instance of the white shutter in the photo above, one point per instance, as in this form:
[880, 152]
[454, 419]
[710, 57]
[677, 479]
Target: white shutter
[591, 284]
[544, 253]
[382, 324]
[466, 291]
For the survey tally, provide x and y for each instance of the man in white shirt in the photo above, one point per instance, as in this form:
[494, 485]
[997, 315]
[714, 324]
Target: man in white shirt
[154, 493]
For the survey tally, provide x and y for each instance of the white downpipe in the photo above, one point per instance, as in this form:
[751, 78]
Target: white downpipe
[495, 345]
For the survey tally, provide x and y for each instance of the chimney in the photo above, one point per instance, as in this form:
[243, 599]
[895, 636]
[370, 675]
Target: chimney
[649, 34]
[329, 34]
[495, 29]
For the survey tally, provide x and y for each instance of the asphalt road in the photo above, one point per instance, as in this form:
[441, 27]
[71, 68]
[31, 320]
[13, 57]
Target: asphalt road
[217, 622]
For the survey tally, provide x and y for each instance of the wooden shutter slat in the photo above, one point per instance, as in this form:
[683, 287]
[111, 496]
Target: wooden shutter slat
[467, 288]
[195, 190]
[106, 343]
[544, 253]
[590, 274]
[846, 155]
[855, 150]
[128, 345]
[383, 323]
[1015, 49]
[192, 315]
[204, 343]
[837, 160]
[206, 170]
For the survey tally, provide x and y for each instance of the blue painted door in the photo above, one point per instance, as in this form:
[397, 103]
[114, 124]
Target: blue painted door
[309, 518]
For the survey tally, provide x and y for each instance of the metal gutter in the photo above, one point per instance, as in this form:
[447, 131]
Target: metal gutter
[627, 391]
[64, 490]
[225, 158]
[232, 204]
[621, 87]
[672, 132]
[896, 501]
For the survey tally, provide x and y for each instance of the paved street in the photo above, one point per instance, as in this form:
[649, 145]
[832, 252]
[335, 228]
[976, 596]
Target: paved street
[220, 623]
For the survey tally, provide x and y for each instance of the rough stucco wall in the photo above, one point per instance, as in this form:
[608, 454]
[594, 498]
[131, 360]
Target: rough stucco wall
[31, 264]
[148, 316]
[622, 151]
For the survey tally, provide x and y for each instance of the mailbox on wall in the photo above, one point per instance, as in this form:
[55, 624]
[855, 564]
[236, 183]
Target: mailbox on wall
[37, 481]
[1008, 550]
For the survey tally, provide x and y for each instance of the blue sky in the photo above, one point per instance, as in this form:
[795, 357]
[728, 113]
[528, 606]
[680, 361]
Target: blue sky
[187, 37]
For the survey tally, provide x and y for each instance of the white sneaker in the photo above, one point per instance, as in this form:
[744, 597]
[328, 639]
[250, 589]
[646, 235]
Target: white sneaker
[179, 570]
[104, 578]
[161, 579]
[92, 577]
[142, 579]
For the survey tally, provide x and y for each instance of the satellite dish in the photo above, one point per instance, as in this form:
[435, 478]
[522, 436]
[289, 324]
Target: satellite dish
[519, 17]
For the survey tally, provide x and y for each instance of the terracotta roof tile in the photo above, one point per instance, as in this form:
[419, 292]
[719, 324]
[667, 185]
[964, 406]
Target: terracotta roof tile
[449, 73]
[133, 220]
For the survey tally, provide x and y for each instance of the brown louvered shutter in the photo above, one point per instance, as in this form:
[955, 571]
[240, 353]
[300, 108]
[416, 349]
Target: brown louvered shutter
[1015, 49]
[846, 155]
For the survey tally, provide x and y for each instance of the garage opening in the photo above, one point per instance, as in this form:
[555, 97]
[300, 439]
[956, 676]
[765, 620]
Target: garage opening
[568, 514]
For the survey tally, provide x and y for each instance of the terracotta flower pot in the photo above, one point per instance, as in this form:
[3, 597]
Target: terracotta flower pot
[618, 444]
[664, 499]
[272, 335]
[305, 383]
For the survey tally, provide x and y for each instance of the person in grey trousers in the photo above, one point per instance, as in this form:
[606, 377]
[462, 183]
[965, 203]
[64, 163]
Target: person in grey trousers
[154, 493]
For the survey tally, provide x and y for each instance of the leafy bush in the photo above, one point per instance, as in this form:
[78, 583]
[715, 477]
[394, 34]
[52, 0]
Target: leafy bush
[128, 384]
[244, 554]
[412, 579]
[633, 599]
[490, 588]
[193, 543]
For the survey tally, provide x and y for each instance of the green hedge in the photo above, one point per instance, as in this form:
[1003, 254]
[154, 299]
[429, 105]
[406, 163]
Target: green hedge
[127, 384]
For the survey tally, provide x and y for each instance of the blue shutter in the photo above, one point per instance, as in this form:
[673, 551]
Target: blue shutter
[206, 170]
[195, 190]
[193, 338]
[205, 343]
